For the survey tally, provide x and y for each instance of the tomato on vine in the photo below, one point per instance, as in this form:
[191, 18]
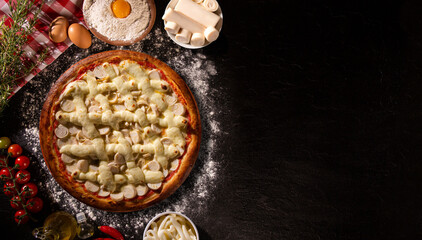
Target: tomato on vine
[29, 190]
[21, 217]
[4, 142]
[15, 150]
[22, 162]
[6, 173]
[9, 189]
[34, 205]
[22, 176]
[16, 202]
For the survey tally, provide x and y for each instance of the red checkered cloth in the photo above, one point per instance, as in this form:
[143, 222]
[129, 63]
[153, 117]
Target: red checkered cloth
[39, 40]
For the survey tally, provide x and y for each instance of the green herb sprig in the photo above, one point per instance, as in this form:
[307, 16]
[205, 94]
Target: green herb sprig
[13, 38]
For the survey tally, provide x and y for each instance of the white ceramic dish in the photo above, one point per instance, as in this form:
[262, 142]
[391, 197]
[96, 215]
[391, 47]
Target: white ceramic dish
[166, 213]
[219, 25]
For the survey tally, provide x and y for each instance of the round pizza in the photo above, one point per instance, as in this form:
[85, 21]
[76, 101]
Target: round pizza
[120, 131]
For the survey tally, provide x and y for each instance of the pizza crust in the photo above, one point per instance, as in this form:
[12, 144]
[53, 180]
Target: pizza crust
[76, 189]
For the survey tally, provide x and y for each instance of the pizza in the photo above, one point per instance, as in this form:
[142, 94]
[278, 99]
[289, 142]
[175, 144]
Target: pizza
[120, 131]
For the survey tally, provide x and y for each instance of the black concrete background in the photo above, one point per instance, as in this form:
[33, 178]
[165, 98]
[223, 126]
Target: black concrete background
[326, 124]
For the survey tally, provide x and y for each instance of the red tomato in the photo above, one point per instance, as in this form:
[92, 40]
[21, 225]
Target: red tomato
[22, 176]
[34, 205]
[29, 190]
[21, 217]
[9, 189]
[15, 150]
[6, 173]
[16, 203]
[22, 161]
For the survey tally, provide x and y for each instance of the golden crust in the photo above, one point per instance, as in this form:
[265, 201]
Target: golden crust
[76, 189]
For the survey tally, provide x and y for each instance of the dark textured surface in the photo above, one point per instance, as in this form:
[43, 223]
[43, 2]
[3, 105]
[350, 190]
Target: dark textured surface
[325, 126]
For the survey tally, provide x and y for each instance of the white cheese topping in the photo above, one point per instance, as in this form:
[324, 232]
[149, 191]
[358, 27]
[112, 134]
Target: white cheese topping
[121, 129]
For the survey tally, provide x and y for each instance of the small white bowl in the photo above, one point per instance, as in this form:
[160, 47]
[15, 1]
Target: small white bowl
[166, 213]
[219, 25]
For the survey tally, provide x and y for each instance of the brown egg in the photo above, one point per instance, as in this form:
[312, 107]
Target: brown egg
[58, 29]
[79, 35]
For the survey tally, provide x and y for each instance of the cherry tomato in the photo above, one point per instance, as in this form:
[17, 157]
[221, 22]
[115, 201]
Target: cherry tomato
[22, 176]
[15, 150]
[34, 205]
[22, 161]
[16, 203]
[9, 189]
[6, 173]
[5, 142]
[29, 190]
[21, 217]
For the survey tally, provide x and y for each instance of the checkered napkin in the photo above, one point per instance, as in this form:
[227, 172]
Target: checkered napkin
[39, 40]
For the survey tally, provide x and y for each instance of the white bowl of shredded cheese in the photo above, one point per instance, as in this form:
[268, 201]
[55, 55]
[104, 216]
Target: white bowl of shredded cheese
[170, 225]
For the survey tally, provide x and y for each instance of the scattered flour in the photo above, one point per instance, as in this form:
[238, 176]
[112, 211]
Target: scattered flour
[193, 197]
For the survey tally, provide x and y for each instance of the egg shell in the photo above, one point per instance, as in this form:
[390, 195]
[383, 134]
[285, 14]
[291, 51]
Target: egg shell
[58, 29]
[79, 35]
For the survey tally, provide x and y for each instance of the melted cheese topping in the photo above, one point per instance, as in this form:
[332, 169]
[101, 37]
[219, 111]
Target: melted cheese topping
[121, 130]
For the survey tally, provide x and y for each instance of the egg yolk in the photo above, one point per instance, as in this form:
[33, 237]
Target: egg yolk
[120, 8]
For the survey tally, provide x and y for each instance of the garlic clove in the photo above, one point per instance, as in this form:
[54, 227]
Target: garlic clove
[61, 131]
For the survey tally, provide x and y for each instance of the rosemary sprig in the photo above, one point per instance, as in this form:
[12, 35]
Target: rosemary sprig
[13, 38]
